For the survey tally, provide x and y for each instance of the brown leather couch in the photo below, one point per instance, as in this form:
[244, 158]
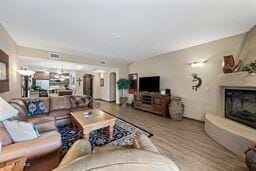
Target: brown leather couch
[42, 153]
[57, 106]
[141, 156]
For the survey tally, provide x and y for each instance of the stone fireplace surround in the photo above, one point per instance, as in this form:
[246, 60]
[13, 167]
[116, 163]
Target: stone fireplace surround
[234, 136]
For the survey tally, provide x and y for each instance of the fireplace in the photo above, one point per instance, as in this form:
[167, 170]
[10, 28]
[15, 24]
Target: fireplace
[240, 106]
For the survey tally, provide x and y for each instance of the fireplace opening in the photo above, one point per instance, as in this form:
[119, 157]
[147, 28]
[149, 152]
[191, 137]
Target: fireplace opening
[240, 106]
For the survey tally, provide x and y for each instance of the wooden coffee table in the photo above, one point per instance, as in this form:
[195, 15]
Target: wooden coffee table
[87, 125]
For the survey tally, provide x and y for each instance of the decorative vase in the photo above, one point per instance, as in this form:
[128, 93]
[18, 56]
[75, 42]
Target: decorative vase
[176, 109]
[123, 101]
[229, 64]
[250, 158]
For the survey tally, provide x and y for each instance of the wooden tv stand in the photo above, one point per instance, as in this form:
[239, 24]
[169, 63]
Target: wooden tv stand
[152, 102]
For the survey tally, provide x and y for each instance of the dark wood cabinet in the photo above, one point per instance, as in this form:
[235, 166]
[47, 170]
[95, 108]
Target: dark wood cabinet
[42, 75]
[152, 102]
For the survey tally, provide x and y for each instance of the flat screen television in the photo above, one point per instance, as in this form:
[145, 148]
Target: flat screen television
[150, 84]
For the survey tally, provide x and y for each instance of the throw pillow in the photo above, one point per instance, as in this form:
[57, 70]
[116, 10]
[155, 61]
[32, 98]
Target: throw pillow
[36, 107]
[87, 99]
[20, 130]
[76, 101]
[5, 138]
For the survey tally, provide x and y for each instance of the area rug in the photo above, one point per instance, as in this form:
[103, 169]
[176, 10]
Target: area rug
[124, 133]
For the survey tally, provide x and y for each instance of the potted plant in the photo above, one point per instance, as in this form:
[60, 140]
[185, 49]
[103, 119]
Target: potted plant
[123, 84]
[250, 67]
[35, 87]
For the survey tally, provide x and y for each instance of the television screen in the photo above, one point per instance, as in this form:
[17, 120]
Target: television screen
[150, 84]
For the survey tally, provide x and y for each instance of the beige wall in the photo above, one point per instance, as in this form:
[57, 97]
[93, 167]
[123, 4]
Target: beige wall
[248, 52]
[9, 47]
[44, 54]
[104, 91]
[175, 73]
[99, 92]
[79, 88]
[172, 67]
[120, 69]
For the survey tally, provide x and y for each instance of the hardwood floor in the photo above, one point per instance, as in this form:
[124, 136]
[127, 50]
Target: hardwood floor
[184, 142]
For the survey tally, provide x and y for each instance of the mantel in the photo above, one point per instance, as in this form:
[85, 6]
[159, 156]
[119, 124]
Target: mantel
[237, 79]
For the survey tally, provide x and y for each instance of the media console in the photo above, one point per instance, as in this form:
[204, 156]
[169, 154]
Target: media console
[152, 102]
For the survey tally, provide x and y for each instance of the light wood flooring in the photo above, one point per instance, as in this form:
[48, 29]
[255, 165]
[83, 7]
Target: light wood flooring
[184, 142]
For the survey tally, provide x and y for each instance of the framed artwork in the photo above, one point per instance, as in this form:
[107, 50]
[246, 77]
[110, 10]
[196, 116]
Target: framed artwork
[101, 82]
[4, 72]
[134, 83]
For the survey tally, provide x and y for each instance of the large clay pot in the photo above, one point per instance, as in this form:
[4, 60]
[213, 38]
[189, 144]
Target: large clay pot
[250, 158]
[176, 109]
[229, 64]
[123, 101]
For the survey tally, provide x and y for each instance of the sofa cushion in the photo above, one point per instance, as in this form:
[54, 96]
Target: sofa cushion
[40, 119]
[46, 126]
[37, 106]
[21, 103]
[20, 130]
[45, 144]
[5, 138]
[22, 115]
[59, 103]
[43, 123]
[60, 114]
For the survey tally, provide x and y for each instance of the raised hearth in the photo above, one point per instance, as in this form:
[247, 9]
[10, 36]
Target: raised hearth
[234, 125]
[234, 136]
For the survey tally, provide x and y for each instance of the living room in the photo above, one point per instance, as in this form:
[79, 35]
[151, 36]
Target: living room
[169, 84]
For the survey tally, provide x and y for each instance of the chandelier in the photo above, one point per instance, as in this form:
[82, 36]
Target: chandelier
[60, 75]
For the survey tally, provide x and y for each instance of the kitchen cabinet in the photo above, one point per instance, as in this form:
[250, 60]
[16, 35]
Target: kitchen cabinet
[42, 75]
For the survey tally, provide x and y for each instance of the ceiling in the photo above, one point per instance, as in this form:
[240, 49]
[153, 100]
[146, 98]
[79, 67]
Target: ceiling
[37, 64]
[124, 30]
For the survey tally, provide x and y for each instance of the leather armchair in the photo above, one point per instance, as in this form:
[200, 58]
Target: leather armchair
[142, 155]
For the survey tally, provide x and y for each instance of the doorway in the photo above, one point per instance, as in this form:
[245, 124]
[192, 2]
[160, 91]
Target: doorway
[112, 87]
[88, 84]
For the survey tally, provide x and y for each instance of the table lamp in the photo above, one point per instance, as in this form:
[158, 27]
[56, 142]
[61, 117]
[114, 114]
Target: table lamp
[6, 111]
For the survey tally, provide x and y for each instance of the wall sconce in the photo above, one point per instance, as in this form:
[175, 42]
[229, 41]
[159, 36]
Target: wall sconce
[101, 75]
[197, 64]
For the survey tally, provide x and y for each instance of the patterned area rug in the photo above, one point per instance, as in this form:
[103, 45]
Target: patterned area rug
[124, 133]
